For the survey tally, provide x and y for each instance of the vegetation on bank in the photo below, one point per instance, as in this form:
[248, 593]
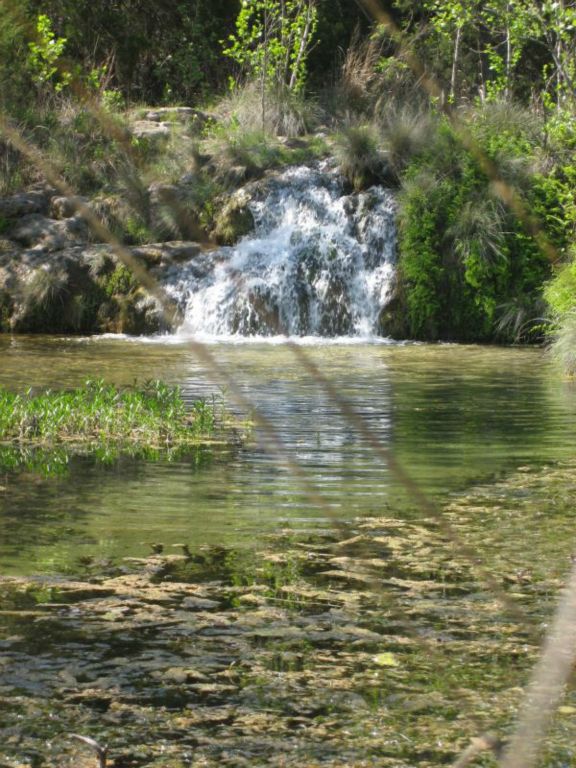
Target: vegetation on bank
[492, 89]
[148, 421]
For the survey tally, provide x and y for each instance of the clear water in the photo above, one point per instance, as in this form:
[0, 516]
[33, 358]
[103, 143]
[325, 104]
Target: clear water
[452, 415]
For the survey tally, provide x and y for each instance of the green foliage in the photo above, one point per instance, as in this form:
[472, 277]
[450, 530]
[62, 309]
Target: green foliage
[272, 41]
[564, 344]
[98, 416]
[45, 56]
[120, 281]
[469, 269]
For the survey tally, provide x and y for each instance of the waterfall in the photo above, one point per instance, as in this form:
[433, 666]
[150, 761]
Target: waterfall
[320, 262]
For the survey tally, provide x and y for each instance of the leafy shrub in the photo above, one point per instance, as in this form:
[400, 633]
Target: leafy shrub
[465, 261]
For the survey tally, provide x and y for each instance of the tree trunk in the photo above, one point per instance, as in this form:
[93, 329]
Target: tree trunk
[302, 48]
[508, 54]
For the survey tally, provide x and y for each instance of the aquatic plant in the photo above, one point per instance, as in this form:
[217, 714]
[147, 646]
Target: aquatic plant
[105, 420]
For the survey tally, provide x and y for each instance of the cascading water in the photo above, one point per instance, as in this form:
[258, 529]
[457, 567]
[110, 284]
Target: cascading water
[319, 263]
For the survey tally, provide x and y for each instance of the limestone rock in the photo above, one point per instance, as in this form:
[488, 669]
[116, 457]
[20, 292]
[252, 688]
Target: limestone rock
[25, 203]
[160, 114]
[173, 212]
[37, 231]
[234, 220]
[193, 118]
[148, 129]
[65, 207]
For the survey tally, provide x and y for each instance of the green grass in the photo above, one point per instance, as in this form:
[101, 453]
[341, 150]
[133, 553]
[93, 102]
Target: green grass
[106, 420]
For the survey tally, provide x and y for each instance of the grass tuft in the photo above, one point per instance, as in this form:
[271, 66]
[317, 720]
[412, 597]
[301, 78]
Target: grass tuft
[359, 156]
[564, 345]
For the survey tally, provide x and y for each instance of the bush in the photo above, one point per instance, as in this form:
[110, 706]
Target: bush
[279, 112]
[467, 266]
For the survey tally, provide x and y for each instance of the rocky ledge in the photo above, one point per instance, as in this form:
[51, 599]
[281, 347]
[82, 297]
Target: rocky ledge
[56, 278]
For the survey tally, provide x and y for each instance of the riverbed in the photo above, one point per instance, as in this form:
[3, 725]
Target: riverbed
[317, 592]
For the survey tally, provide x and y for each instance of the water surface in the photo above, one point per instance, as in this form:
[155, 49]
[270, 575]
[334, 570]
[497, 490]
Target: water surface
[452, 415]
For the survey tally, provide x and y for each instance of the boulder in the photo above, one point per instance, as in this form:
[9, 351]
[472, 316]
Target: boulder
[25, 203]
[148, 129]
[66, 207]
[160, 114]
[37, 231]
[173, 212]
[86, 288]
[195, 120]
[234, 220]
[166, 254]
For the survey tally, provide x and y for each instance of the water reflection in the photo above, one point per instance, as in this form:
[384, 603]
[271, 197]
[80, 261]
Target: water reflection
[452, 415]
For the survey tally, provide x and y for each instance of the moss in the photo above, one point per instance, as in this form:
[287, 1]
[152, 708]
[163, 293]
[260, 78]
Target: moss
[233, 222]
[121, 281]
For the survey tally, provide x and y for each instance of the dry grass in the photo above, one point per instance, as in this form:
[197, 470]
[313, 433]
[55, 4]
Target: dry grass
[279, 112]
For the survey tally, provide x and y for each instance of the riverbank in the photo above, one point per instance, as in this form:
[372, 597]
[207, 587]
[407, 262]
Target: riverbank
[180, 187]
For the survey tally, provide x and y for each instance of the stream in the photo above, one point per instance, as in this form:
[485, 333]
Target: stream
[451, 415]
[223, 609]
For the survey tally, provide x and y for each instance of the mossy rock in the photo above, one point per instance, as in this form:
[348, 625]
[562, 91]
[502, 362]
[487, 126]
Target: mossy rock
[393, 320]
[58, 299]
[136, 313]
[118, 282]
[234, 220]
[6, 310]
[7, 246]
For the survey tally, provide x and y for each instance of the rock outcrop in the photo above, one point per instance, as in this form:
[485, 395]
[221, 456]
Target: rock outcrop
[55, 279]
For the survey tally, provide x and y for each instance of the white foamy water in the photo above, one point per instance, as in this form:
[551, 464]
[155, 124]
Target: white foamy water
[320, 263]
